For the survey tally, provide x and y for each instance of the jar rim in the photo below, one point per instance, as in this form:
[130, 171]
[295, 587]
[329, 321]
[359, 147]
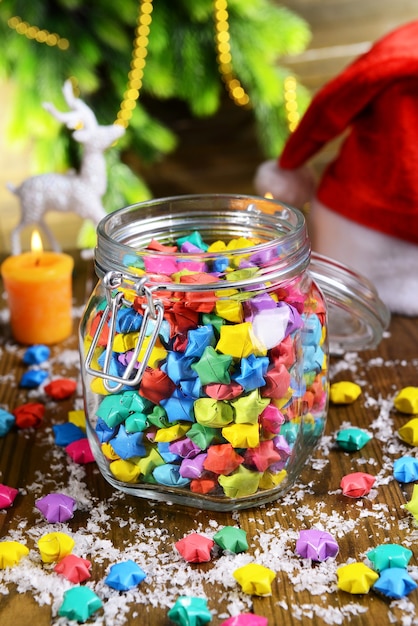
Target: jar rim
[279, 227]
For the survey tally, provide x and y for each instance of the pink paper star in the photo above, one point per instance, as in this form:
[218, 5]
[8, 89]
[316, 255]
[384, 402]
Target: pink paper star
[7, 496]
[73, 568]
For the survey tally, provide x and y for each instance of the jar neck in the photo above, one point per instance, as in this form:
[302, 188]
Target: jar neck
[274, 239]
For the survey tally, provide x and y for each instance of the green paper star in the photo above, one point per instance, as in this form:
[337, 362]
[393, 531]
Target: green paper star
[79, 604]
[389, 555]
[190, 611]
[231, 539]
[213, 367]
[248, 408]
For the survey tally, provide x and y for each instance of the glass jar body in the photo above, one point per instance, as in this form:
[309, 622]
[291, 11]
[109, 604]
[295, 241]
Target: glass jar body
[204, 351]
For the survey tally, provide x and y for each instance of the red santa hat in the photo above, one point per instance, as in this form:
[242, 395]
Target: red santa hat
[374, 178]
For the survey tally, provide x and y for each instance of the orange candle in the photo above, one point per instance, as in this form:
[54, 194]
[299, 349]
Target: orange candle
[39, 291]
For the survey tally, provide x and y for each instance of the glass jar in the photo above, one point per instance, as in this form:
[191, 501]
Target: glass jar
[205, 348]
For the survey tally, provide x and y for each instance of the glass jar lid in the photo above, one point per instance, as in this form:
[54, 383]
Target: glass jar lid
[357, 318]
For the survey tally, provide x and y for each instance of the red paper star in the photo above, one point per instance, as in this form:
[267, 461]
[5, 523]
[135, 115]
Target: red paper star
[61, 388]
[73, 568]
[29, 415]
[195, 548]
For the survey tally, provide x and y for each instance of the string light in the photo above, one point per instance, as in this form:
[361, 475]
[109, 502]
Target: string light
[224, 57]
[136, 73]
[291, 104]
[41, 35]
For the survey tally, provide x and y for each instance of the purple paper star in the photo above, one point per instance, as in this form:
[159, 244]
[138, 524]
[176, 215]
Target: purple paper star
[56, 507]
[317, 545]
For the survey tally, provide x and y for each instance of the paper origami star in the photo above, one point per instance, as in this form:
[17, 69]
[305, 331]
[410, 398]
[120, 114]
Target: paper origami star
[128, 445]
[344, 392]
[195, 548]
[239, 341]
[406, 400]
[357, 484]
[242, 435]
[248, 407]
[213, 367]
[213, 413]
[246, 619]
[61, 388]
[316, 544]
[79, 604]
[231, 539]
[80, 451]
[255, 579]
[29, 415]
[7, 421]
[190, 611]
[405, 469]
[7, 496]
[412, 505]
[409, 432]
[11, 552]
[73, 568]
[34, 355]
[125, 575]
[352, 439]
[56, 507]
[356, 578]
[389, 555]
[55, 546]
[199, 339]
[395, 582]
[178, 407]
[222, 459]
[67, 433]
[169, 475]
[243, 482]
[251, 374]
[33, 378]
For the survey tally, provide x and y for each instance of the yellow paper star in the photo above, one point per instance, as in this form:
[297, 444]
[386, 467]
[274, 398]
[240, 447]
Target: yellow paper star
[248, 408]
[409, 432]
[78, 418]
[171, 433]
[356, 578]
[11, 552]
[406, 401]
[125, 471]
[269, 480]
[242, 435]
[412, 505]
[239, 341]
[243, 482]
[344, 392]
[255, 579]
[55, 546]
[148, 463]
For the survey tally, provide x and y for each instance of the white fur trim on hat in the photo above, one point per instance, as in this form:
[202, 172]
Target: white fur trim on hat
[294, 187]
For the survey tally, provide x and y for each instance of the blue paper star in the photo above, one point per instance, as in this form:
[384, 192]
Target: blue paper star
[67, 433]
[190, 611]
[179, 407]
[192, 388]
[395, 582]
[128, 321]
[125, 575]
[7, 421]
[127, 445]
[33, 378]
[178, 366]
[79, 604]
[405, 469]
[169, 475]
[104, 432]
[36, 354]
[199, 339]
[251, 374]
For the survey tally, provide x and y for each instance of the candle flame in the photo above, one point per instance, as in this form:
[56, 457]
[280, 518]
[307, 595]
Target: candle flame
[36, 242]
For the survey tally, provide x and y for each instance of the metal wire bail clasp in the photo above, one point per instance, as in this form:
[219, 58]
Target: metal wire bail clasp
[153, 313]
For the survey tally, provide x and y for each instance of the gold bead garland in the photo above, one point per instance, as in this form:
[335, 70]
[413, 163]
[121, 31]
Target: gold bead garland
[224, 57]
[139, 54]
[140, 50]
[41, 35]
[291, 105]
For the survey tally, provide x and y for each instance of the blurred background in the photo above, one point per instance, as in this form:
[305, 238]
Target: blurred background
[186, 131]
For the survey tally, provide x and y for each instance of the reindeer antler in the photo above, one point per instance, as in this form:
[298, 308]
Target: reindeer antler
[79, 116]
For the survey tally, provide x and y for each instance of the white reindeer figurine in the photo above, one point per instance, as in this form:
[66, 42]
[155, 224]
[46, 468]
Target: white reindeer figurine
[80, 192]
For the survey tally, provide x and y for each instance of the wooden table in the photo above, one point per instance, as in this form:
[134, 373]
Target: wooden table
[109, 527]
